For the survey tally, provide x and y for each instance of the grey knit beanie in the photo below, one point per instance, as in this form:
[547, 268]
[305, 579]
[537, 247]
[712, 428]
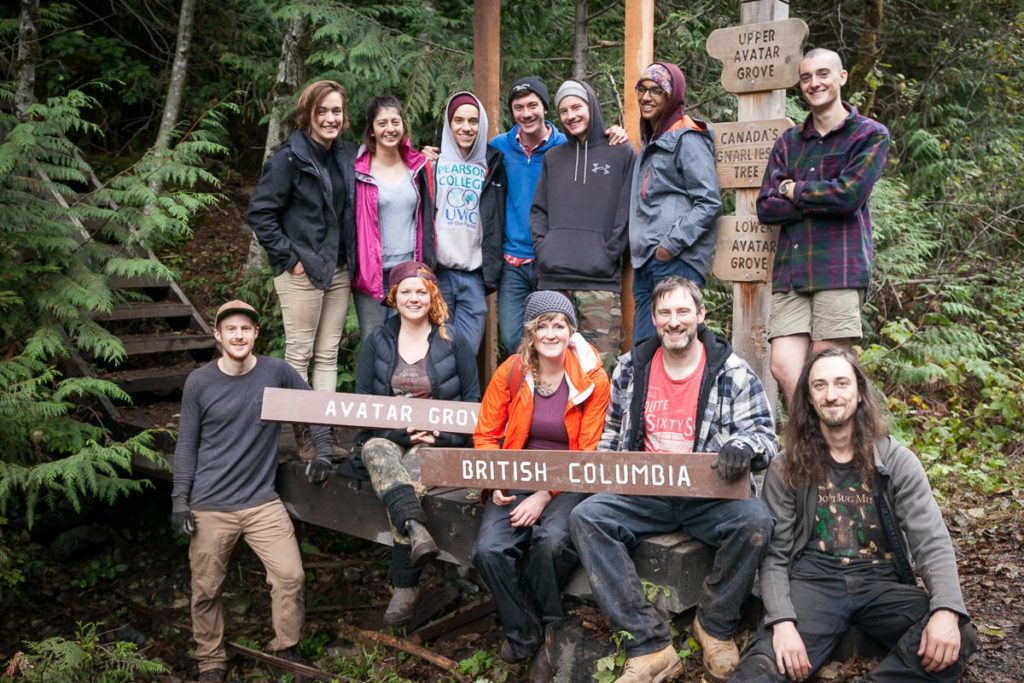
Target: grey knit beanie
[574, 88]
[546, 301]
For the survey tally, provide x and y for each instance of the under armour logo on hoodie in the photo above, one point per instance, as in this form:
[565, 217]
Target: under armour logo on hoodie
[601, 168]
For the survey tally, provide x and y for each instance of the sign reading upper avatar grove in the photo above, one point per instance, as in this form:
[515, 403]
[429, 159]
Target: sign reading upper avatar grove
[758, 57]
[742, 150]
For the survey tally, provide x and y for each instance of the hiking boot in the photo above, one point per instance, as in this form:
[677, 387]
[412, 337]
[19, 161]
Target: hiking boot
[423, 549]
[508, 654]
[304, 445]
[338, 444]
[401, 607]
[289, 654]
[720, 656]
[655, 667]
[213, 676]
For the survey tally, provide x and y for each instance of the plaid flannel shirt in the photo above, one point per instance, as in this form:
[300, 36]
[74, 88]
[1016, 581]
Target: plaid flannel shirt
[826, 239]
[733, 406]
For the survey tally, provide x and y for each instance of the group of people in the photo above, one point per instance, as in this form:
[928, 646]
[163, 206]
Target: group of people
[847, 515]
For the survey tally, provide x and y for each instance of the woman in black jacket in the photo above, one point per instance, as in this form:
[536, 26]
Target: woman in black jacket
[413, 354]
[303, 214]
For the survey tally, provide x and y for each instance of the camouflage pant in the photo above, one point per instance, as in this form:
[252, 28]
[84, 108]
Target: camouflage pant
[389, 466]
[600, 318]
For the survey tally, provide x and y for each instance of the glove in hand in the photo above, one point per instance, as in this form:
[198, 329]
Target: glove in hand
[317, 470]
[181, 517]
[733, 460]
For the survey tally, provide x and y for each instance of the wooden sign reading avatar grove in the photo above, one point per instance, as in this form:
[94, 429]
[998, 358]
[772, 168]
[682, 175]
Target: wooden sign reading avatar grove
[744, 249]
[652, 474]
[358, 410]
[742, 150]
[758, 57]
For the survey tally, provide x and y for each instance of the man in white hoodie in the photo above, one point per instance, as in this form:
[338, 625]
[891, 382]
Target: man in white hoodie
[469, 198]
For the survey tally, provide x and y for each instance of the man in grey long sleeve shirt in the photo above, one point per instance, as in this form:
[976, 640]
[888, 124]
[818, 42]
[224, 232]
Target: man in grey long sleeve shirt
[224, 467]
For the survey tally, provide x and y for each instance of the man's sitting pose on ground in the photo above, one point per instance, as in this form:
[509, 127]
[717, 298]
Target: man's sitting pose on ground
[853, 506]
[681, 391]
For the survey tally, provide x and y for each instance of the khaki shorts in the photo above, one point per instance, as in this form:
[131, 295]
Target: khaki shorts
[828, 314]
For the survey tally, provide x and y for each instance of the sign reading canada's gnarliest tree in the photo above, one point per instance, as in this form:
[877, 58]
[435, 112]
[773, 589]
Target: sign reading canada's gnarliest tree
[744, 249]
[742, 150]
[758, 57]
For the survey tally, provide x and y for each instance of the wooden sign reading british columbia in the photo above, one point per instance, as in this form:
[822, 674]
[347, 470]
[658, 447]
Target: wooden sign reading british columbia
[742, 150]
[653, 474]
[758, 57]
[358, 410]
[744, 249]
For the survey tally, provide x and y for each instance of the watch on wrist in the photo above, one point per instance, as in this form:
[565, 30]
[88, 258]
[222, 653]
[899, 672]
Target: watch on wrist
[785, 186]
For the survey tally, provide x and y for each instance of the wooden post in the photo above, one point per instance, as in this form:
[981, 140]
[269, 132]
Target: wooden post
[751, 300]
[487, 86]
[638, 53]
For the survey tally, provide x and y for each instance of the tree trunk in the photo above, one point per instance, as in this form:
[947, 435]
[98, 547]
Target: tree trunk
[579, 50]
[172, 106]
[289, 75]
[28, 56]
[861, 79]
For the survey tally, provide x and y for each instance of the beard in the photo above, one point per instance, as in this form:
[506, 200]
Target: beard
[679, 344]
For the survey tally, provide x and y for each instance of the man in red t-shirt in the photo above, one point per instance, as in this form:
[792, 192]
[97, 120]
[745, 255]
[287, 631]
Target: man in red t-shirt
[681, 391]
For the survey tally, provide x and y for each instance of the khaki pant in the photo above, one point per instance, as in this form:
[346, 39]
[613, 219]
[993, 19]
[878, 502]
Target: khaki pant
[268, 530]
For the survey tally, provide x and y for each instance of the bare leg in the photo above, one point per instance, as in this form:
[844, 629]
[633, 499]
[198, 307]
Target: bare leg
[788, 357]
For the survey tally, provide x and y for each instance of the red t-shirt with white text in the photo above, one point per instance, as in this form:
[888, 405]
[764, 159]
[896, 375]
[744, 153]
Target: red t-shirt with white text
[670, 411]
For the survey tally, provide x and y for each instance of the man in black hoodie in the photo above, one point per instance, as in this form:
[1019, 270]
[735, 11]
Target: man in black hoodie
[578, 220]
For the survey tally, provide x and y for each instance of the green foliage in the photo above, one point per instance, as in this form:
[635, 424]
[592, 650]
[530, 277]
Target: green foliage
[368, 666]
[611, 666]
[83, 659]
[652, 591]
[475, 665]
[97, 570]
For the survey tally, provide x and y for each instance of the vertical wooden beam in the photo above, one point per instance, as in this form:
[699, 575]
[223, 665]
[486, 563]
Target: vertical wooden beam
[487, 86]
[751, 300]
[638, 53]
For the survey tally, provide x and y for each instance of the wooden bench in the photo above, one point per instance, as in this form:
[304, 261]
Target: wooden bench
[674, 561]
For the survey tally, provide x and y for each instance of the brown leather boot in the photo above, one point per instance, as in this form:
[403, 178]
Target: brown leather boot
[423, 549]
[663, 665]
[303, 443]
[720, 656]
[402, 606]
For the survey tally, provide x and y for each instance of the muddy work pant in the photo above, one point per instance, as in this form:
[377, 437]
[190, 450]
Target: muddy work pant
[829, 599]
[395, 475]
[268, 530]
[606, 527]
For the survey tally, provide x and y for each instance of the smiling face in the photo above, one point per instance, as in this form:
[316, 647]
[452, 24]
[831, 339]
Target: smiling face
[237, 335]
[676, 318]
[821, 79]
[528, 112]
[834, 393]
[388, 127]
[465, 125]
[551, 336]
[328, 119]
[652, 100]
[574, 114]
[412, 299]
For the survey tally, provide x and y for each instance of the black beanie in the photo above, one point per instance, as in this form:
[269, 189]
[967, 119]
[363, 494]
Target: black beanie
[528, 84]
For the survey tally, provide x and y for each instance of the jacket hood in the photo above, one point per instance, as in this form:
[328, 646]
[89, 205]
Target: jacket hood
[596, 127]
[675, 107]
[412, 157]
[450, 149]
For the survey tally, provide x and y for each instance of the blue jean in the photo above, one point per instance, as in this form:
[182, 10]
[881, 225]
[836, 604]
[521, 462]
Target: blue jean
[606, 527]
[527, 600]
[828, 600]
[644, 280]
[463, 291]
[517, 283]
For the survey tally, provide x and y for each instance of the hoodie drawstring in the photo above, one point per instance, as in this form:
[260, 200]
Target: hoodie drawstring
[586, 158]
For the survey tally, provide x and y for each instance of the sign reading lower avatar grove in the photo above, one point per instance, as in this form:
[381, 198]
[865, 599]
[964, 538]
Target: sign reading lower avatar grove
[652, 474]
[742, 150]
[758, 57]
[744, 249]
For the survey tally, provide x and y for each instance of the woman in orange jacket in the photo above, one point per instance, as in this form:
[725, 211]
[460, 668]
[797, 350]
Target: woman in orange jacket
[551, 395]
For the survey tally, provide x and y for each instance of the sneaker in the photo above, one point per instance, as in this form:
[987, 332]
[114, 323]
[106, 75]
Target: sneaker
[401, 607]
[720, 656]
[423, 549]
[213, 676]
[655, 667]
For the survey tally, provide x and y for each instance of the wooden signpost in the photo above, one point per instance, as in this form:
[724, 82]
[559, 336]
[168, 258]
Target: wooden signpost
[643, 473]
[761, 56]
[742, 150]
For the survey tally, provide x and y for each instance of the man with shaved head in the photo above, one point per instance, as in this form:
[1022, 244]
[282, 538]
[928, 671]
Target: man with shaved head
[816, 186]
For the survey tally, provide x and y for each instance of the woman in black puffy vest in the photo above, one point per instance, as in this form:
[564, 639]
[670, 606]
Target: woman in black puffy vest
[412, 354]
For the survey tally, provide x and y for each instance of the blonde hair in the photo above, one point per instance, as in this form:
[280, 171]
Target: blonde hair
[438, 311]
[527, 351]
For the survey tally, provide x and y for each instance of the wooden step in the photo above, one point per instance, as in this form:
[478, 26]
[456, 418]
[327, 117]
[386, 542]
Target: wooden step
[150, 379]
[140, 344]
[119, 282]
[144, 310]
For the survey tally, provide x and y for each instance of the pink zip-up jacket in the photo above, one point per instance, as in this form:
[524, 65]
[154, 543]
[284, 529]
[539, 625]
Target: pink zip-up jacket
[369, 275]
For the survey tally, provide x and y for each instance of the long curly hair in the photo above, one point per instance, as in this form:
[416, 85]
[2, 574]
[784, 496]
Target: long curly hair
[806, 450]
[438, 311]
[527, 351]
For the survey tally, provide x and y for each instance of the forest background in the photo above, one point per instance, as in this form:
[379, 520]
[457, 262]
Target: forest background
[161, 109]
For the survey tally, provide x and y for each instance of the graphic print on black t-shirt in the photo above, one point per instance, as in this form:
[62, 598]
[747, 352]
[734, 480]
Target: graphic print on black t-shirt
[846, 524]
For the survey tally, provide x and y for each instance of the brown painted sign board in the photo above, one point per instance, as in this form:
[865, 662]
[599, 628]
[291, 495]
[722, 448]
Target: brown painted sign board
[629, 472]
[358, 410]
[744, 249]
[758, 57]
[742, 150]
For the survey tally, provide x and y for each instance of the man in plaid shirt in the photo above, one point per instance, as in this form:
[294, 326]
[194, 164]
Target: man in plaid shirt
[816, 186]
[681, 391]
